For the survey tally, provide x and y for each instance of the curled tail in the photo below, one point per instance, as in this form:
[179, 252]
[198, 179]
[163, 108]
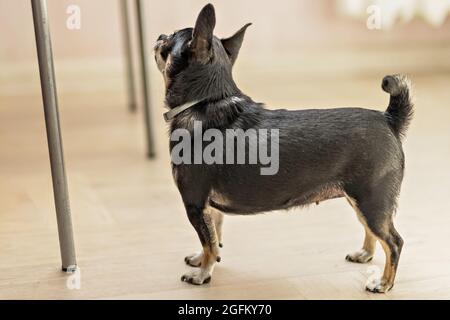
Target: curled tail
[400, 110]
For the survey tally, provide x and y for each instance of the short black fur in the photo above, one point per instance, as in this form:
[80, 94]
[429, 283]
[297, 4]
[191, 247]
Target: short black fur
[323, 154]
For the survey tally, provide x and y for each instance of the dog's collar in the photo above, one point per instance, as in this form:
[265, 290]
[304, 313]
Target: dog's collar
[172, 113]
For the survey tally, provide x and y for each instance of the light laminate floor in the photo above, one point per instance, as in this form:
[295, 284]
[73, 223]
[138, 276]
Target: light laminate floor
[131, 230]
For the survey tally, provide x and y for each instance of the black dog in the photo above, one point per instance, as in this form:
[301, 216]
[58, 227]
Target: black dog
[347, 152]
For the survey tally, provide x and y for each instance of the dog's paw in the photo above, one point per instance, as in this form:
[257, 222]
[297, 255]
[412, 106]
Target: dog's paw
[379, 286]
[197, 277]
[361, 256]
[194, 260]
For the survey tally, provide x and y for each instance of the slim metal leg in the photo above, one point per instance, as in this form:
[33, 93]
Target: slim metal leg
[128, 55]
[49, 96]
[144, 75]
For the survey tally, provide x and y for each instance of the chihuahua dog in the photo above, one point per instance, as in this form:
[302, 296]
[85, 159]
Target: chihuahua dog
[352, 153]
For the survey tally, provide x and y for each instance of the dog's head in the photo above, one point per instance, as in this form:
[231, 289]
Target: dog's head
[195, 56]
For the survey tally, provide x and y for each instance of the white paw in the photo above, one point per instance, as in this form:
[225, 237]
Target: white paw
[197, 277]
[378, 286]
[194, 260]
[361, 256]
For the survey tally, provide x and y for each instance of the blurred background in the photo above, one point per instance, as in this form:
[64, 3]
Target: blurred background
[311, 37]
[297, 54]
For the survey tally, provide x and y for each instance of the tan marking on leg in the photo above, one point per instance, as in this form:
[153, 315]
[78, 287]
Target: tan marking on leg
[369, 241]
[218, 221]
[213, 220]
[366, 253]
[387, 280]
[210, 255]
[209, 216]
[389, 270]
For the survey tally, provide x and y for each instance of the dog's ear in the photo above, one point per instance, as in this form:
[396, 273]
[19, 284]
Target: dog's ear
[202, 35]
[233, 44]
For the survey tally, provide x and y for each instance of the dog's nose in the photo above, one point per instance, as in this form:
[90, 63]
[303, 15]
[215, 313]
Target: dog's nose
[162, 37]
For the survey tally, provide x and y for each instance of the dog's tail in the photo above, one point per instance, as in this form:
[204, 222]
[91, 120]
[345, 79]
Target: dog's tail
[400, 110]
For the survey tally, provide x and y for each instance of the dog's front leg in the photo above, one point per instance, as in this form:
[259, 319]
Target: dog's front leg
[203, 223]
[195, 259]
[218, 223]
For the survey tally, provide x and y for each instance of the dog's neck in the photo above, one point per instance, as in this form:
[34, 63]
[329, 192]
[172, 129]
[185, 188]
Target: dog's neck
[201, 83]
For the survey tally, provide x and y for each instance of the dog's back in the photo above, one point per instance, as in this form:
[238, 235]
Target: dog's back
[321, 152]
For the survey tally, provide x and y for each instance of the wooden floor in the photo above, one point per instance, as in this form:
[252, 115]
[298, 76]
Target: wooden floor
[131, 230]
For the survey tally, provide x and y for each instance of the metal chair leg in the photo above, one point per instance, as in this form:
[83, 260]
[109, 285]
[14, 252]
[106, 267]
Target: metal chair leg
[144, 75]
[49, 96]
[128, 55]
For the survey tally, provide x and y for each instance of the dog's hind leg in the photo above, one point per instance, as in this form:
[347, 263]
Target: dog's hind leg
[203, 223]
[392, 245]
[365, 254]
[377, 208]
